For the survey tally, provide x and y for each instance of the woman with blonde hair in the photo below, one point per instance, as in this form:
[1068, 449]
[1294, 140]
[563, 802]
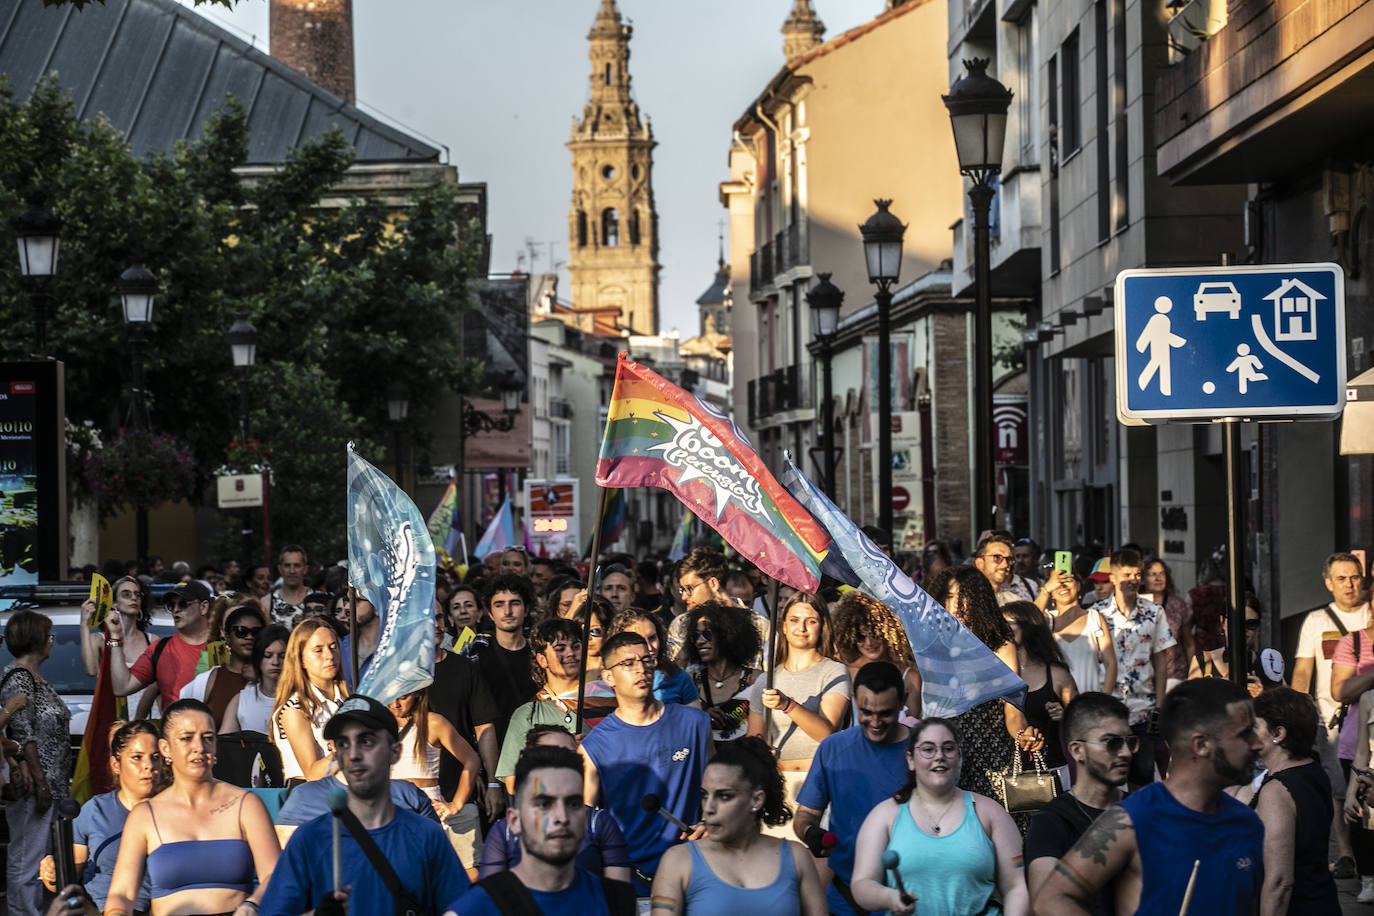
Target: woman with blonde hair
[810, 693]
[866, 631]
[309, 691]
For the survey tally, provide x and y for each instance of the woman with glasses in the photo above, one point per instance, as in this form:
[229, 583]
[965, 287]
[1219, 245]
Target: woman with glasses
[251, 711]
[809, 699]
[137, 770]
[957, 850]
[993, 731]
[206, 846]
[221, 685]
[720, 644]
[128, 634]
[866, 631]
[1082, 636]
[671, 683]
[39, 724]
[309, 692]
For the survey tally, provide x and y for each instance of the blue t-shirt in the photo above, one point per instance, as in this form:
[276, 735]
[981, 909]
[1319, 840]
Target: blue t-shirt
[603, 846]
[346, 662]
[101, 820]
[679, 689]
[417, 849]
[851, 774]
[1171, 836]
[583, 897]
[664, 759]
[311, 799]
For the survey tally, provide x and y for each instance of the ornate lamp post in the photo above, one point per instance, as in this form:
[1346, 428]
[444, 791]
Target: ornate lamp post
[243, 347]
[37, 233]
[882, 235]
[825, 299]
[137, 290]
[978, 113]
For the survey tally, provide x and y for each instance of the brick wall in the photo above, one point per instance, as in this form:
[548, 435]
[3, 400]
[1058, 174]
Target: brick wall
[315, 38]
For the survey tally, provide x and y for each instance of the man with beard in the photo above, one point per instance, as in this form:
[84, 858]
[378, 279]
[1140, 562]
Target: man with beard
[550, 818]
[1180, 833]
[1100, 741]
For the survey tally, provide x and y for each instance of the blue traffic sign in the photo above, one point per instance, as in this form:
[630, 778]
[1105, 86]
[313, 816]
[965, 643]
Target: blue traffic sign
[1211, 343]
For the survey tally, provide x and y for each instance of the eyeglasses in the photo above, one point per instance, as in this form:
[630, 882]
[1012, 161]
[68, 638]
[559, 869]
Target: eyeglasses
[129, 596]
[996, 558]
[648, 663]
[242, 632]
[1114, 743]
[595, 632]
[929, 750]
[705, 635]
[684, 589]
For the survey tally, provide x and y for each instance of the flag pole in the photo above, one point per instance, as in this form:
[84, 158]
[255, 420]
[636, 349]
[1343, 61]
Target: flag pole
[603, 502]
[353, 632]
[769, 664]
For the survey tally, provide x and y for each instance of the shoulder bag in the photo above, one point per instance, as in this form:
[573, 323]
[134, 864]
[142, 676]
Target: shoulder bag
[1024, 791]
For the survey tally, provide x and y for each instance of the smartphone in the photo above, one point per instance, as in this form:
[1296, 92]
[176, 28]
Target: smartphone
[1063, 561]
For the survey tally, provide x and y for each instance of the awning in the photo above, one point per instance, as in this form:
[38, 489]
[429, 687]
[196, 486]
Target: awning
[1357, 422]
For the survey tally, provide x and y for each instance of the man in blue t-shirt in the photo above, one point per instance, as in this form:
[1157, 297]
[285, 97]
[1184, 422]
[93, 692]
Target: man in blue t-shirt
[366, 743]
[852, 771]
[311, 799]
[1152, 845]
[646, 747]
[549, 817]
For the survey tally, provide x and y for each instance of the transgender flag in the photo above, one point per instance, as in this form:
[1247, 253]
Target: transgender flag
[957, 671]
[659, 435]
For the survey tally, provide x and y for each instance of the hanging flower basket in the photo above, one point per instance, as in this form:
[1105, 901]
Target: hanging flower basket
[141, 469]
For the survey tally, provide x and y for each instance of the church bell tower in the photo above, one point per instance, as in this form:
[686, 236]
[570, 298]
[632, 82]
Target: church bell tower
[613, 226]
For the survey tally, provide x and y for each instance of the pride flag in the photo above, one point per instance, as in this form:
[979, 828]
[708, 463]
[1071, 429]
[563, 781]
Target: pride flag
[659, 435]
[958, 671]
[499, 535]
[445, 522]
[391, 562]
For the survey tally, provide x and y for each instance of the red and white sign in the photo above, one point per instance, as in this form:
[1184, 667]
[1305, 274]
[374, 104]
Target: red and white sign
[901, 498]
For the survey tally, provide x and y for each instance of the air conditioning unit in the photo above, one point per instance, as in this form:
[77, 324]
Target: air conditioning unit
[1193, 22]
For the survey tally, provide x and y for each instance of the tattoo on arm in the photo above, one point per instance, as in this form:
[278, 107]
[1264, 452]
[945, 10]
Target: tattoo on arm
[1093, 843]
[664, 903]
[1074, 877]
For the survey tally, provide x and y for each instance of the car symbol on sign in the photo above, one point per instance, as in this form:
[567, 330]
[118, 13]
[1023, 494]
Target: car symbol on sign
[1216, 297]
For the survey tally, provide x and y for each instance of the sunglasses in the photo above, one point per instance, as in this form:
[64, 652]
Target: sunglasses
[1114, 743]
[595, 632]
[175, 604]
[242, 632]
[705, 635]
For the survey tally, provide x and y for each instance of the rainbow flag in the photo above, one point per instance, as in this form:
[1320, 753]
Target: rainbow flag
[445, 522]
[659, 435]
[92, 775]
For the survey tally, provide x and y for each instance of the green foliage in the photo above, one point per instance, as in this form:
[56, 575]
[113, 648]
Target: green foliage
[346, 299]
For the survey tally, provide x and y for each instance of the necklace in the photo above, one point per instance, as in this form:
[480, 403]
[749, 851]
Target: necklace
[935, 828]
[720, 681]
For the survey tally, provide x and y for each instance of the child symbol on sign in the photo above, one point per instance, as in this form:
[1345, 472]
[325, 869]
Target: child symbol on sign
[1247, 367]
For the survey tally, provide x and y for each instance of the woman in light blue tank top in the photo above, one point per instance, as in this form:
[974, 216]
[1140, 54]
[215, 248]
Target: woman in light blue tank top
[734, 868]
[957, 853]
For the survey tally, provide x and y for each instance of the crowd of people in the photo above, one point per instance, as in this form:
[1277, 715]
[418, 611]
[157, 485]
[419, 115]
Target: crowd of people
[654, 747]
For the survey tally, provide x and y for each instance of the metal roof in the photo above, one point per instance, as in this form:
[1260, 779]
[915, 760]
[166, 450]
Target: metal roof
[158, 71]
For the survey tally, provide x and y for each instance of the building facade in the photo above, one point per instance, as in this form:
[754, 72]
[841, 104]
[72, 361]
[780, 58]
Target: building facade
[613, 226]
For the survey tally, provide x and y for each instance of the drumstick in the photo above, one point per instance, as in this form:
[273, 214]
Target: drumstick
[1188, 893]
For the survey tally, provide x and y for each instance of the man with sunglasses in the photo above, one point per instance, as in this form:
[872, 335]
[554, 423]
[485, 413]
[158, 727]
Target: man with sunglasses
[646, 747]
[1100, 742]
[170, 661]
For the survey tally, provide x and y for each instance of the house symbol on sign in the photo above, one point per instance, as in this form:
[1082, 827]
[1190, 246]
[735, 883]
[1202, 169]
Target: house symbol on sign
[1295, 311]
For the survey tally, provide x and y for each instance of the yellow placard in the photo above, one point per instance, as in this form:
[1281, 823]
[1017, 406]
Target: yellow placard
[103, 596]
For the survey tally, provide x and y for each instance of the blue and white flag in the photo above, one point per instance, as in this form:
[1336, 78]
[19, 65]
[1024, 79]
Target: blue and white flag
[958, 671]
[499, 535]
[391, 562]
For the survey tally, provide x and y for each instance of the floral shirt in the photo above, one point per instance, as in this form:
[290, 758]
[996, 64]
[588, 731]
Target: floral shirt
[1137, 637]
[44, 722]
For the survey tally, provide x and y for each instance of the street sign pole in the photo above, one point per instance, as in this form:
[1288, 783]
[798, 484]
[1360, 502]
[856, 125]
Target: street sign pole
[1235, 569]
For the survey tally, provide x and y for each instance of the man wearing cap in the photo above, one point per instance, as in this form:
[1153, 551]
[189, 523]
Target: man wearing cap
[170, 661]
[366, 744]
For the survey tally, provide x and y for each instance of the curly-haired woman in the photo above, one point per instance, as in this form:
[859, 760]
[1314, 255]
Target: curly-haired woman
[719, 646]
[866, 631]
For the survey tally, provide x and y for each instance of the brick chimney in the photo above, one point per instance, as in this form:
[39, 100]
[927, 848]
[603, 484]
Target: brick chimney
[315, 38]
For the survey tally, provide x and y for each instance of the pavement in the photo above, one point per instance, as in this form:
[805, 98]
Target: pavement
[1348, 889]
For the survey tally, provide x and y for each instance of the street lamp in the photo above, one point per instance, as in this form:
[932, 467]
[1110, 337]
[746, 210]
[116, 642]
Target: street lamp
[243, 348]
[882, 235]
[397, 408]
[511, 392]
[477, 421]
[137, 289]
[825, 299]
[978, 113]
[37, 233]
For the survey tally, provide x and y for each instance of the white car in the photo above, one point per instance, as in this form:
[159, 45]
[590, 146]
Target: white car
[1216, 297]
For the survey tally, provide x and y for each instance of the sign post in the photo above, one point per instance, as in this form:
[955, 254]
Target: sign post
[1225, 345]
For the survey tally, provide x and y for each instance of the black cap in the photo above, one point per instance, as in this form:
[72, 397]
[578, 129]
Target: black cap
[365, 711]
[194, 590]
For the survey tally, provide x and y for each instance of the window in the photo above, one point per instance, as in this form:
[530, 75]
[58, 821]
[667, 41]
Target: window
[610, 227]
[1101, 88]
[1122, 186]
[607, 77]
[1070, 127]
[608, 172]
[634, 227]
[581, 228]
[1052, 100]
[1028, 98]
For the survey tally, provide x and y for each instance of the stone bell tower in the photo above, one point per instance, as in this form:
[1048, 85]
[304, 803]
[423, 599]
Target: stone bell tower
[613, 226]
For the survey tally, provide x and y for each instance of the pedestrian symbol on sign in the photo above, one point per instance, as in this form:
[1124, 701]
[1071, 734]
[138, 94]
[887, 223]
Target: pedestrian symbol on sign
[1160, 339]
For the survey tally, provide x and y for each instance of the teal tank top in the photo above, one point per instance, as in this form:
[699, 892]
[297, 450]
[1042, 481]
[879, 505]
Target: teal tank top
[950, 875]
[707, 894]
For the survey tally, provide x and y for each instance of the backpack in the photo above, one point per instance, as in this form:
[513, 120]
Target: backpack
[249, 760]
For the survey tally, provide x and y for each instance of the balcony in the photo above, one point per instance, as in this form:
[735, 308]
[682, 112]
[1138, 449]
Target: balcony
[560, 408]
[778, 392]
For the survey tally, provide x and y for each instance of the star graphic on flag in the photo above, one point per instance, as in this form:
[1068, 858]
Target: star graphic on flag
[691, 472]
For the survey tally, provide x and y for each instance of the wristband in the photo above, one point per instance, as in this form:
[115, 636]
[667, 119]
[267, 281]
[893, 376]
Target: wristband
[788, 708]
[114, 643]
[495, 785]
[249, 903]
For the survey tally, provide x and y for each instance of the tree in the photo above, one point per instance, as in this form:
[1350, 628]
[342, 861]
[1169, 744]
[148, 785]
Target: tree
[346, 300]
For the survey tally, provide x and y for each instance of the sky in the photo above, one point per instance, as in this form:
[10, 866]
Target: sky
[498, 83]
